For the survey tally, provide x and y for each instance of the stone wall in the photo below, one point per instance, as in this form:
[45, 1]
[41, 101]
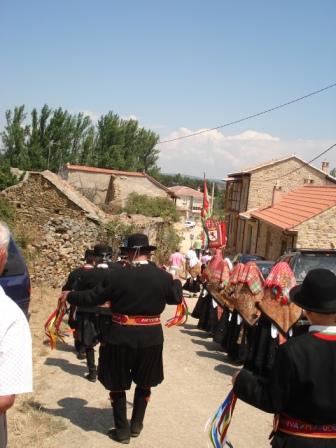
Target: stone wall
[57, 231]
[94, 186]
[125, 185]
[318, 232]
[263, 180]
[103, 188]
[272, 241]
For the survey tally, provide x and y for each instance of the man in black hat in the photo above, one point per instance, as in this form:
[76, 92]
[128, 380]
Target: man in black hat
[90, 322]
[72, 283]
[301, 389]
[138, 294]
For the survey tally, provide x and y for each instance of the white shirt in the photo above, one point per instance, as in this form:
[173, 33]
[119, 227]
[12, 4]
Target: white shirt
[322, 329]
[16, 375]
[192, 257]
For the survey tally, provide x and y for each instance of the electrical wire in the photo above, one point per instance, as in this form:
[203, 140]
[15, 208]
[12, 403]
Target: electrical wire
[304, 165]
[280, 106]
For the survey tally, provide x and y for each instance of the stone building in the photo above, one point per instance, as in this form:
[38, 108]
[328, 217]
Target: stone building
[304, 218]
[58, 223]
[188, 200]
[111, 188]
[258, 186]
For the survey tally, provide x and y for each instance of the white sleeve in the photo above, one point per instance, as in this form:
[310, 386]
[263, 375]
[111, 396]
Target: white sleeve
[16, 374]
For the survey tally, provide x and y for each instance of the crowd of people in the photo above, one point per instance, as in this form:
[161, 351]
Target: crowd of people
[117, 304]
[288, 367]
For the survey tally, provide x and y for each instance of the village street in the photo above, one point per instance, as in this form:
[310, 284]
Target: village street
[68, 411]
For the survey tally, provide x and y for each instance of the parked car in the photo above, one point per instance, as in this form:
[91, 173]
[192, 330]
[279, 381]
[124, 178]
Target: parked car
[303, 260]
[245, 258]
[189, 223]
[265, 266]
[15, 278]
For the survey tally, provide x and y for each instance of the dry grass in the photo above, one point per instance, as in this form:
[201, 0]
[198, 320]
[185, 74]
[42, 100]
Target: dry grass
[30, 425]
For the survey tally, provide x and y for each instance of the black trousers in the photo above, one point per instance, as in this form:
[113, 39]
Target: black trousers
[120, 365]
[282, 440]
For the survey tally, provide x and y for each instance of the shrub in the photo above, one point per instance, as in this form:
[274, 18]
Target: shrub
[167, 241]
[115, 232]
[7, 212]
[6, 177]
[151, 206]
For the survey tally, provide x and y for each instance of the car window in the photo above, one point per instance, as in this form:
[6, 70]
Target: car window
[306, 262]
[15, 264]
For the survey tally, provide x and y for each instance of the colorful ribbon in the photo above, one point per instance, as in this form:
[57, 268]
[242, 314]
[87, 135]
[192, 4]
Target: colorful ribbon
[181, 315]
[53, 324]
[218, 425]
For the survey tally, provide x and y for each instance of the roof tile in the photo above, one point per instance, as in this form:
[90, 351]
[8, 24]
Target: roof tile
[298, 206]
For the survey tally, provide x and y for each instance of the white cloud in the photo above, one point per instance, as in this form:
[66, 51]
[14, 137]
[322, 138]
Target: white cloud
[218, 154]
[130, 117]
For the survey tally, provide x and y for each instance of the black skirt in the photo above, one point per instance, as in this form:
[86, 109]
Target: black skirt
[119, 365]
[262, 348]
[87, 328]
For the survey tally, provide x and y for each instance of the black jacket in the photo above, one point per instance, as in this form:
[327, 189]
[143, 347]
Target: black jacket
[142, 290]
[302, 383]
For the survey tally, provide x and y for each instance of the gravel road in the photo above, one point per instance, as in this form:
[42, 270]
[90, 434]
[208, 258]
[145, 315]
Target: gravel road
[197, 379]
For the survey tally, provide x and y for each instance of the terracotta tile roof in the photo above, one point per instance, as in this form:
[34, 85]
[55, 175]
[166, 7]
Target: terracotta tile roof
[251, 169]
[92, 169]
[298, 206]
[181, 190]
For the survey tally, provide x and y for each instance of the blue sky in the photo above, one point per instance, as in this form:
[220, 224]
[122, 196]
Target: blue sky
[178, 67]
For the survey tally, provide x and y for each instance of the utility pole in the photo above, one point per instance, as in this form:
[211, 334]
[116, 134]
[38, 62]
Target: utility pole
[212, 196]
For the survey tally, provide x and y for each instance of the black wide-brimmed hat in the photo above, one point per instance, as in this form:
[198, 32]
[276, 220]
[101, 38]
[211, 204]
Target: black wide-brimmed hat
[88, 253]
[137, 241]
[102, 250]
[317, 292]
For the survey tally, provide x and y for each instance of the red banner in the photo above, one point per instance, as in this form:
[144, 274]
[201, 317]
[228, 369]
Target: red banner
[216, 232]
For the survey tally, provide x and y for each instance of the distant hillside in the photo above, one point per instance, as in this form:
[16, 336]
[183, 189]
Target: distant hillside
[171, 180]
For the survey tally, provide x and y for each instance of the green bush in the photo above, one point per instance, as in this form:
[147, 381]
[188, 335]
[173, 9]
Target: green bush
[6, 177]
[167, 241]
[153, 207]
[7, 212]
[115, 232]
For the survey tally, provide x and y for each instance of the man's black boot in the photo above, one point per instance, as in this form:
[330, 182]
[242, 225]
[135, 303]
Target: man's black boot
[121, 433]
[141, 398]
[90, 360]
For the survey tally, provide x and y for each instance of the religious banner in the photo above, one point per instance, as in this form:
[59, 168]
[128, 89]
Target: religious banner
[216, 233]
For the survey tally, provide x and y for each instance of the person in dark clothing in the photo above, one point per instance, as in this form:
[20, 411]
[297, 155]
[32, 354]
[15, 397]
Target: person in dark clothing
[90, 322]
[133, 353]
[72, 284]
[301, 389]
[94, 321]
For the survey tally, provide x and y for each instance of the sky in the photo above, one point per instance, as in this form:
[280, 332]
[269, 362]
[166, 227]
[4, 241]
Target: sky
[179, 67]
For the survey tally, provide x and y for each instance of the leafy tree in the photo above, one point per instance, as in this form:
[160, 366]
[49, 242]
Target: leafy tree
[333, 172]
[54, 137]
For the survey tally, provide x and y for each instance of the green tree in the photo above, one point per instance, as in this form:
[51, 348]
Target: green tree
[55, 137]
[14, 138]
[333, 172]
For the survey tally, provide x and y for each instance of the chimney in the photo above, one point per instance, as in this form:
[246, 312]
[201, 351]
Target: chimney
[325, 167]
[277, 193]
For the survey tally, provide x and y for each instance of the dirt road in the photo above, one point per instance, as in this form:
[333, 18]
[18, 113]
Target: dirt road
[68, 411]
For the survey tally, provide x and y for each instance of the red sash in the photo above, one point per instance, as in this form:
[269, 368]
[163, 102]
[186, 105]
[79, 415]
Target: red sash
[123, 319]
[295, 427]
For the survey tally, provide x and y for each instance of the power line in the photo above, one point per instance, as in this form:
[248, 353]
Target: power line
[280, 106]
[304, 165]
